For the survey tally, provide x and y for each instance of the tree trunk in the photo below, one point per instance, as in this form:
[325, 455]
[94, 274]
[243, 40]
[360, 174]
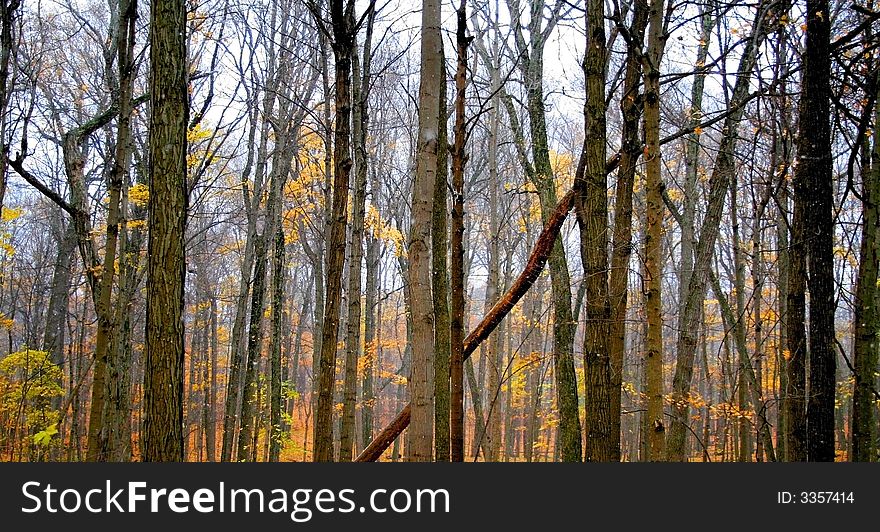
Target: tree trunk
[164, 355]
[654, 234]
[491, 356]
[457, 287]
[342, 17]
[814, 165]
[631, 150]
[99, 439]
[8, 46]
[865, 347]
[591, 207]
[275, 432]
[440, 286]
[360, 95]
[421, 432]
[236, 365]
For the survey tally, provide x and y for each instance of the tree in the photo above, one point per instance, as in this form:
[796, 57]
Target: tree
[164, 355]
[360, 116]
[422, 381]
[591, 207]
[457, 288]
[530, 54]
[654, 232]
[766, 17]
[621, 247]
[344, 32]
[8, 12]
[813, 172]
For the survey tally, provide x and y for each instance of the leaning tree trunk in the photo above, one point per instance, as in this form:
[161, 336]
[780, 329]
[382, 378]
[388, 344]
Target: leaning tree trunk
[525, 280]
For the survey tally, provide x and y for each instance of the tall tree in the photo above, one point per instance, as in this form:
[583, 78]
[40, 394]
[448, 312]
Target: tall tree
[457, 288]
[422, 381]
[621, 247]
[814, 172]
[440, 285]
[99, 439]
[767, 17]
[163, 352]
[654, 232]
[8, 42]
[592, 214]
[344, 32]
[360, 95]
[539, 171]
[865, 318]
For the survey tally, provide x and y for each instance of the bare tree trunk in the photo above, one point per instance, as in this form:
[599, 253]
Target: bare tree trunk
[275, 432]
[163, 367]
[591, 182]
[360, 95]
[211, 401]
[631, 150]
[99, 439]
[457, 287]
[865, 347]
[342, 17]
[236, 365]
[8, 45]
[815, 166]
[440, 286]
[491, 355]
[59, 298]
[540, 173]
[421, 432]
[371, 338]
[654, 233]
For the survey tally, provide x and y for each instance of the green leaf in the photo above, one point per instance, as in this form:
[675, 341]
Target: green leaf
[44, 436]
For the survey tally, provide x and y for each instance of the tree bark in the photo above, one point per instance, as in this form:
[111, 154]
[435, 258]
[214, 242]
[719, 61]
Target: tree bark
[631, 150]
[342, 17]
[360, 95]
[654, 234]
[457, 286]
[865, 347]
[421, 386]
[591, 207]
[440, 286]
[163, 366]
[99, 440]
[814, 164]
